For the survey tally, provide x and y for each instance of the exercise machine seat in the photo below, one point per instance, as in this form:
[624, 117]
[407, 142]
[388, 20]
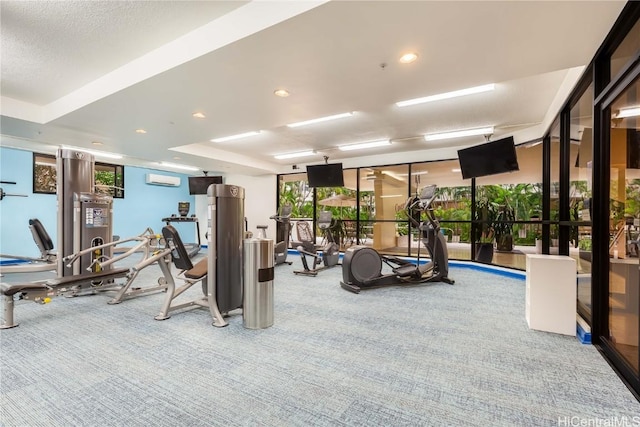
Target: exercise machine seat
[44, 237]
[12, 289]
[198, 271]
[86, 278]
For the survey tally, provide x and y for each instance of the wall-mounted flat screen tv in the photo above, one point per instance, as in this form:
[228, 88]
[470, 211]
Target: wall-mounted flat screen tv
[488, 159]
[328, 175]
[199, 184]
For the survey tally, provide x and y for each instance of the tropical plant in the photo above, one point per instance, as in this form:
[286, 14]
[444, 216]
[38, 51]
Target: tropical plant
[585, 244]
[503, 226]
[485, 215]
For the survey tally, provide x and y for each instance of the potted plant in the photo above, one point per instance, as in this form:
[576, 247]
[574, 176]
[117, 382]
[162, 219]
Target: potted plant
[485, 215]
[503, 227]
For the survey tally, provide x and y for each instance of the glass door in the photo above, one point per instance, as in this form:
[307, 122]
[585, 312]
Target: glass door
[624, 226]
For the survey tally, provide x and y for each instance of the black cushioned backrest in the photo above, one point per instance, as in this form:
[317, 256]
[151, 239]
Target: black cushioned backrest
[179, 254]
[41, 234]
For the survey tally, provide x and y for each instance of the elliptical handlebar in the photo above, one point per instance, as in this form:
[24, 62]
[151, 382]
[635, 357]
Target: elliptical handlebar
[284, 214]
[422, 203]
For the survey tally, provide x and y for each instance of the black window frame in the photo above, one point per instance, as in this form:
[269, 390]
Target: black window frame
[117, 192]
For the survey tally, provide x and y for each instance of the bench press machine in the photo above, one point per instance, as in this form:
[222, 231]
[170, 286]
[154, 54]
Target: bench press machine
[100, 277]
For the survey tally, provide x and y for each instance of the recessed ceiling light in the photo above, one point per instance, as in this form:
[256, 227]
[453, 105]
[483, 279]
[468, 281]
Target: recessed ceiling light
[294, 155]
[282, 93]
[363, 145]
[98, 143]
[177, 166]
[141, 131]
[198, 115]
[459, 133]
[320, 119]
[408, 57]
[447, 95]
[238, 136]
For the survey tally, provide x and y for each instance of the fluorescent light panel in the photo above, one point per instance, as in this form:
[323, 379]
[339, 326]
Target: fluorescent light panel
[320, 119]
[177, 166]
[97, 153]
[294, 155]
[363, 145]
[238, 136]
[459, 133]
[447, 95]
[414, 173]
[628, 112]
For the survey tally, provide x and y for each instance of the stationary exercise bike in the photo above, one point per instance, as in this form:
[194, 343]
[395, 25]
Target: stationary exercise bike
[329, 253]
[281, 248]
[362, 266]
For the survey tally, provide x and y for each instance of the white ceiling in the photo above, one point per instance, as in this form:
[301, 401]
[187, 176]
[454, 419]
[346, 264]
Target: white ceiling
[75, 72]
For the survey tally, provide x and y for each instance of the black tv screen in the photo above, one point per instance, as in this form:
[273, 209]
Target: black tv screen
[199, 184]
[329, 175]
[488, 159]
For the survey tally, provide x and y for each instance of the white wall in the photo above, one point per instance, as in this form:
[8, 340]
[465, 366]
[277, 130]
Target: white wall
[259, 200]
[259, 203]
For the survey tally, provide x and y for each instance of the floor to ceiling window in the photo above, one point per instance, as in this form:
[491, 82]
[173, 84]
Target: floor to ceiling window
[624, 225]
[580, 195]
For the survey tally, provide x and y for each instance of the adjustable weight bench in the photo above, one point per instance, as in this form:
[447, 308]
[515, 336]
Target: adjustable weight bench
[101, 280]
[42, 291]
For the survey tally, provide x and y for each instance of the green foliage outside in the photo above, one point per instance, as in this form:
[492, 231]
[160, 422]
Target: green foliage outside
[106, 181]
[498, 206]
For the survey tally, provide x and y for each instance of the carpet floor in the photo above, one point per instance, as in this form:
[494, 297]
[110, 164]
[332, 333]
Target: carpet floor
[430, 355]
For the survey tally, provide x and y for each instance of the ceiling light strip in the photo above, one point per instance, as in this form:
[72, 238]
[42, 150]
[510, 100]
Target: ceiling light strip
[96, 153]
[177, 166]
[320, 119]
[238, 136]
[628, 112]
[294, 155]
[364, 145]
[447, 95]
[459, 133]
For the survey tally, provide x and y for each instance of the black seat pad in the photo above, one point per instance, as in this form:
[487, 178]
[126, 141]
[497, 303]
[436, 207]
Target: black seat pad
[13, 289]
[87, 278]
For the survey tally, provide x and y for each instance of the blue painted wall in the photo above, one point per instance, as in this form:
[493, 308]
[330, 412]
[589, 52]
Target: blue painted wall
[144, 205]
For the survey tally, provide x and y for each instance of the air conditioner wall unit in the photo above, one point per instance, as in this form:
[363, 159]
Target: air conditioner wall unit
[166, 180]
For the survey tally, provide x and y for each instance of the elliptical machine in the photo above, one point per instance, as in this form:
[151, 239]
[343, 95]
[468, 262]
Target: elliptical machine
[362, 266]
[282, 247]
[330, 253]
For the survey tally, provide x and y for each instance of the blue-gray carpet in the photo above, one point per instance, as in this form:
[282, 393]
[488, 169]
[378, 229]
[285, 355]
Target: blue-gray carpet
[429, 355]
